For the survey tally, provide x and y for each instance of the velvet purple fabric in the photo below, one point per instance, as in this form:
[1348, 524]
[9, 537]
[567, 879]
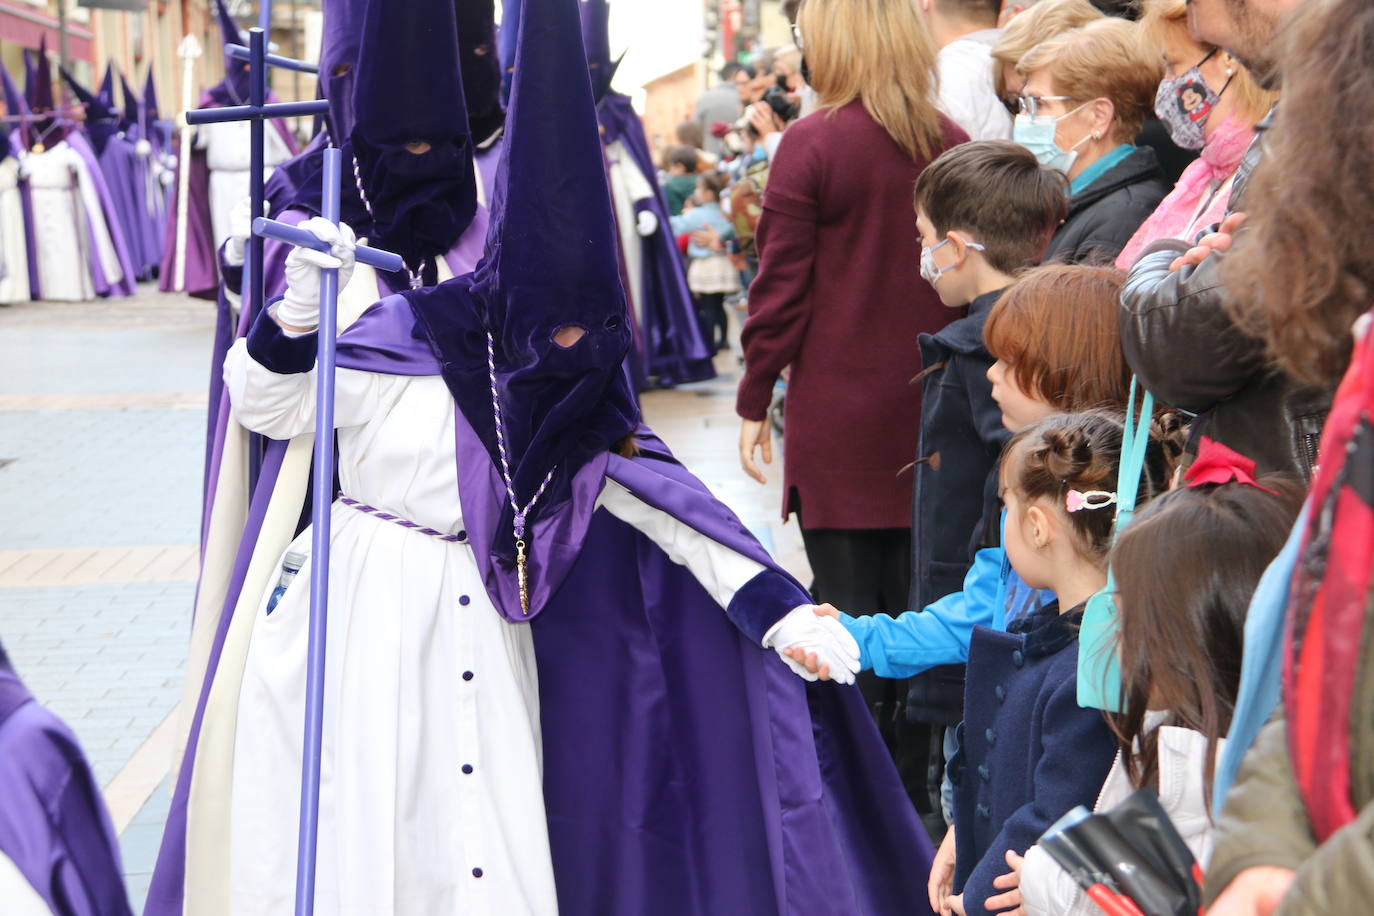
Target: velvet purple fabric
[53, 822]
[233, 89]
[552, 262]
[41, 99]
[340, 41]
[409, 89]
[481, 68]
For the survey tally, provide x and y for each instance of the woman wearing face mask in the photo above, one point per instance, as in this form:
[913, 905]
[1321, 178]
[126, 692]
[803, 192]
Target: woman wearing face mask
[1087, 94]
[1210, 103]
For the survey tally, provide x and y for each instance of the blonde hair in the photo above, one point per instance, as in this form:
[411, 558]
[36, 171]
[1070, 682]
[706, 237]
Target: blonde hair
[1041, 22]
[1102, 60]
[880, 52]
[1163, 22]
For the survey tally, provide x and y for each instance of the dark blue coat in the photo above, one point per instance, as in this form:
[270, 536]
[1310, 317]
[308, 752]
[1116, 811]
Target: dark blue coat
[961, 440]
[1029, 753]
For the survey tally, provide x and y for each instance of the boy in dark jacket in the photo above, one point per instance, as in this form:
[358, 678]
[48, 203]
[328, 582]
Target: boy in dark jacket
[985, 212]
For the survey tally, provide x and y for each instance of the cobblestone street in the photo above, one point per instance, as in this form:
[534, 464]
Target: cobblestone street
[102, 429]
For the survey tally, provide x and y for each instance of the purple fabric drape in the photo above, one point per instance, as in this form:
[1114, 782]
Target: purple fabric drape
[126, 285]
[53, 822]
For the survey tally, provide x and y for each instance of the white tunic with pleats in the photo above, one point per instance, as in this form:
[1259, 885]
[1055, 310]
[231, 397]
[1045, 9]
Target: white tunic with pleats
[64, 200]
[14, 255]
[431, 794]
[227, 147]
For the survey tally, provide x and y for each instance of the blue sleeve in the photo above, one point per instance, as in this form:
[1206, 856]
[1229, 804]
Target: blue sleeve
[913, 642]
[1076, 752]
[685, 222]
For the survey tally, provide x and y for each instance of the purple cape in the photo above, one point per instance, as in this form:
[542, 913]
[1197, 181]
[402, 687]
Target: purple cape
[674, 351]
[53, 822]
[694, 773]
[126, 285]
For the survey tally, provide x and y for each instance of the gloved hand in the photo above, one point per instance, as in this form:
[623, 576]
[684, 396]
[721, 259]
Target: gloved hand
[240, 228]
[646, 222]
[823, 636]
[301, 306]
[143, 148]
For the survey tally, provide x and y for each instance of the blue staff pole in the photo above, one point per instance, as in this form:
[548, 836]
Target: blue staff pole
[319, 558]
[294, 235]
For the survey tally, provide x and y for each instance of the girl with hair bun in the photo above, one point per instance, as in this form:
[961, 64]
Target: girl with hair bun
[1028, 752]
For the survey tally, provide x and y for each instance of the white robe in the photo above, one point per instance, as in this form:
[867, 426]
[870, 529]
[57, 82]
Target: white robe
[628, 188]
[14, 255]
[227, 148]
[64, 198]
[18, 896]
[424, 678]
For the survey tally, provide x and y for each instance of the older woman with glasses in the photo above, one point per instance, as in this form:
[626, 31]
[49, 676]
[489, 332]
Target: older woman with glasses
[1087, 95]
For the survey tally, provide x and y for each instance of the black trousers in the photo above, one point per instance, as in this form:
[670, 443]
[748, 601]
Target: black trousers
[865, 572]
[711, 319]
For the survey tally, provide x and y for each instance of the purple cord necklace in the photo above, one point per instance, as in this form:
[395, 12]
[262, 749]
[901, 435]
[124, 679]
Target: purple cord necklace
[520, 514]
[414, 275]
[521, 548]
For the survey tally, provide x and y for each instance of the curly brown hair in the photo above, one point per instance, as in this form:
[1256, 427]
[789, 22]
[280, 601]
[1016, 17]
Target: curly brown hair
[1302, 270]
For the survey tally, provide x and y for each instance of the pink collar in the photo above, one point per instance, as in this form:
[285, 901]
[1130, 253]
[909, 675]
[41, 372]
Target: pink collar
[1226, 146]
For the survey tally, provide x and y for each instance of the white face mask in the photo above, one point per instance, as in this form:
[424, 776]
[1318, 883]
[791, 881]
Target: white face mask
[1036, 133]
[932, 272]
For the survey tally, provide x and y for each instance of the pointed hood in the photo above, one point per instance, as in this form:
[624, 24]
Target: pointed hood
[42, 102]
[551, 263]
[408, 95]
[133, 113]
[481, 68]
[233, 89]
[16, 107]
[101, 123]
[107, 88]
[596, 38]
[340, 42]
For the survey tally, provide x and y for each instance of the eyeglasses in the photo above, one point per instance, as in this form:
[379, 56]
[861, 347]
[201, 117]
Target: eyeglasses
[797, 36]
[1030, 104]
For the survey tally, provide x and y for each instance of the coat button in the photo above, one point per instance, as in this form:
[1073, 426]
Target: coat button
[464, 600]
[1000, 692]
[983, 811]
[467, 769]
[984, 772]
[991, 736]
[477, 872]
[467, 675]
[462, 536]
[1018, 658]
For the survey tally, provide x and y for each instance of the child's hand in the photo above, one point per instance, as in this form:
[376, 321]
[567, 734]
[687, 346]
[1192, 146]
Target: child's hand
[942, 876]
[809, 660]
[1011, 884]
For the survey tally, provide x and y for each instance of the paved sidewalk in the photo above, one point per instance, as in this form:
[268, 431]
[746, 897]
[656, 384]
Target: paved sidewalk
[102, 425]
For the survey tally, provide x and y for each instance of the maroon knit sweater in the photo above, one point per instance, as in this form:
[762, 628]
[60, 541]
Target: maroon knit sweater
[840, 299]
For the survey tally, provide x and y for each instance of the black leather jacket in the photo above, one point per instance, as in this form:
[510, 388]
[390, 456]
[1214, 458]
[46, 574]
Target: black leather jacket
[1176, 335]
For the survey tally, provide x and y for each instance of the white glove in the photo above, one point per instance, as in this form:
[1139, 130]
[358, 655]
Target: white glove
[824, 636]
[301, 306]
[143, 148]
[646, 223]
[240, 228]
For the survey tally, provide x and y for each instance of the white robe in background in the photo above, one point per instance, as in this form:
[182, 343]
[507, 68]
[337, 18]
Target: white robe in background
[64, 200]
[628, 188]
[227, 148]
[424, 678]
[14, 255]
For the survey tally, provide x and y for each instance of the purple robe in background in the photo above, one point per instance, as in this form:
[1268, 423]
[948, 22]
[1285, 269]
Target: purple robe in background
[126, 286]
[673, 349]
[53, 822]
[202, 281]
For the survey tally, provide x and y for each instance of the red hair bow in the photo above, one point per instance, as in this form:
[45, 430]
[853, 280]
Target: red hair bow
[1215, 463]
